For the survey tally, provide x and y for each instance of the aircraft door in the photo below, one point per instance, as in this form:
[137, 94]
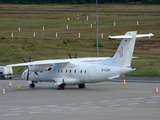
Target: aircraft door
[91, 73]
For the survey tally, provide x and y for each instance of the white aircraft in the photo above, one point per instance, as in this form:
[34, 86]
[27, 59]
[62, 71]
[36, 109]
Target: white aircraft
[84, 70]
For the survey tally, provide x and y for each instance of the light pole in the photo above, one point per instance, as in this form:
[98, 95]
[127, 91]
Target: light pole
[97, 52]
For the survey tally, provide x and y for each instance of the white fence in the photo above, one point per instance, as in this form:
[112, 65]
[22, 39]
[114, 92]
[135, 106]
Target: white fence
[19, 31]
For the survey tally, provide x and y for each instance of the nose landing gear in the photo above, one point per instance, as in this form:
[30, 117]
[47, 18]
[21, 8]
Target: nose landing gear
[32, 85]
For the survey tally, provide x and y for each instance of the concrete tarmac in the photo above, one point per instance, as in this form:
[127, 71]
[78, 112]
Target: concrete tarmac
[109, 100]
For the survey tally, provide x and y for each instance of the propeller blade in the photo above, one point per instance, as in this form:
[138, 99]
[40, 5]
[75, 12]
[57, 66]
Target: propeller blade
[28, 74]
[21, 69]
[30, 57]
[69, 55]
[23, 60]
[76, 54]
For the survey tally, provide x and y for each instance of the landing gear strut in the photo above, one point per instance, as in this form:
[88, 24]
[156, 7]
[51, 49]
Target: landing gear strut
[32, 85]
[81, 86]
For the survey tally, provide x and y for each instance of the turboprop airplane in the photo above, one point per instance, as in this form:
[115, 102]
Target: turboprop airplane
[84, 70]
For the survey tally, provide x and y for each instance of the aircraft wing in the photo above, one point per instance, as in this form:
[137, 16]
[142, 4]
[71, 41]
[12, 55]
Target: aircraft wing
[43, 62]
[91, 59]
[50, 62]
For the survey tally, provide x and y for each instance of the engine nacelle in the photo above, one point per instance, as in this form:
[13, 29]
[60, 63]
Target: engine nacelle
[38, 68]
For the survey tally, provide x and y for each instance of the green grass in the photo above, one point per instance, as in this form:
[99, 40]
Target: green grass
[46, 46]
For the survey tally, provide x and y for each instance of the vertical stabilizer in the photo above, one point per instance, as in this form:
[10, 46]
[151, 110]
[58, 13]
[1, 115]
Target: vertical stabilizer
[123, 55]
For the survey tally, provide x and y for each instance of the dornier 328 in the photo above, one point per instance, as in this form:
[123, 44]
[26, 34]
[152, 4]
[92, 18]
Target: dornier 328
[79, 71]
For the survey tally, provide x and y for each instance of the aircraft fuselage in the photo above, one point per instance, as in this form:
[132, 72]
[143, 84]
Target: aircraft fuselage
[77, 73]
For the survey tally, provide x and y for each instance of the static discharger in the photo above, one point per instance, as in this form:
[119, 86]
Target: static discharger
[19, 86]
[156, 90]
[3, 92]
[10, 84]
[124, 82]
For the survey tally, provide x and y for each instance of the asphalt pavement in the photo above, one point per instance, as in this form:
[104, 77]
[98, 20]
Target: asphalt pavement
[110, 100]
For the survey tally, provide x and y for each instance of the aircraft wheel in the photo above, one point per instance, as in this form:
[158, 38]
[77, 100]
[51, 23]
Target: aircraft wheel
[61, 87]
[81, 86]
[32, 85]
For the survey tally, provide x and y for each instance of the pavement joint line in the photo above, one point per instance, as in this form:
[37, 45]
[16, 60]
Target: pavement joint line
[115, 105]
[56, 110]
[133, 103]
[51, 106]
[33, 107]
[138, 98]
[153, 99]
[131, 91]
[65, 107]
[87, 105]
[40, 109]
[15, 109]
[105, 101]
[76, 108]
[155, 96]
[10, 114]
[109, 103]
[96, 107]
[87, 102]
[153, 102]
[70, 104]
[34, 112]
[121, 100]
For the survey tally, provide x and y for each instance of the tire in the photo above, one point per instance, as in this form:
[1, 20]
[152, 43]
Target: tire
[81, 86]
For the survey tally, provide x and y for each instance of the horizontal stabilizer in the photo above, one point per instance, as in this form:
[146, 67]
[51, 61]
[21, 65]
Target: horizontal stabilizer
[121, 36]
[144, 35]
[129, 36]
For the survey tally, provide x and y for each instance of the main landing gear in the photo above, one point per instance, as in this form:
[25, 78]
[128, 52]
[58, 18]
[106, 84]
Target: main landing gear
[61, 87]
[32, 85]
[81, 86]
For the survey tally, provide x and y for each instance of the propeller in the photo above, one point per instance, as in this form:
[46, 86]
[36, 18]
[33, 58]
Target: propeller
[75, 54]
[29, 60]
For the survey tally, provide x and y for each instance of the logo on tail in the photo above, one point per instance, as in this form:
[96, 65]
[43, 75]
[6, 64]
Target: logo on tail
[121, 52]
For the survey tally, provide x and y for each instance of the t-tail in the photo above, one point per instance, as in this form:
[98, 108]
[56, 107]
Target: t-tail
[124, 53]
